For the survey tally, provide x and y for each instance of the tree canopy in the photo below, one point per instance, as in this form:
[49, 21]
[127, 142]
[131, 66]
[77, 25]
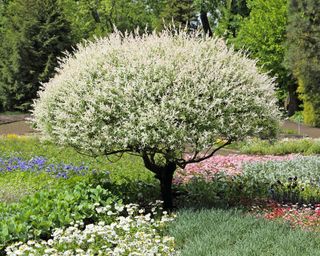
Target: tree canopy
[263, 34]
[303, 54]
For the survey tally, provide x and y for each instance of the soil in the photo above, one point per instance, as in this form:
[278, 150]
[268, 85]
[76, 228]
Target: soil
[15, 124]
[301, 130]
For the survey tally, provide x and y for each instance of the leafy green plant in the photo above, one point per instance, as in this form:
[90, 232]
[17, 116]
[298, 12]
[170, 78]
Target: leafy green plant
[133, 232]
[221, 191]
[35, 216]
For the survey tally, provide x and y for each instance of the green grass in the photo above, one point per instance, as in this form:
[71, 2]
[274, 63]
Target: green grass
[11, 113]
[16, 185]
[228, 233]
[129, 177]
[127, 168]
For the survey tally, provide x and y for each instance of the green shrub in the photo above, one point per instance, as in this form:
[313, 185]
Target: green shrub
[222, 191]
[36, 216]
[281, 147]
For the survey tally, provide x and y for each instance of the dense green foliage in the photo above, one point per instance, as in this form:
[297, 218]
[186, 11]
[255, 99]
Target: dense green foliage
[229, 233]
[36, 216]
[35, 34]
[233, 14]
[263, 33]
[303, 55]
[181, 13]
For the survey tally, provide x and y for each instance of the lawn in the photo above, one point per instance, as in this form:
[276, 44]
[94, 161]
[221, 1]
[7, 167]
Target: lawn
[55, 200]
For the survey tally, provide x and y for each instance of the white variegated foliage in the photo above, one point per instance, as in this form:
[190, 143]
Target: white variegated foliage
[158, 91]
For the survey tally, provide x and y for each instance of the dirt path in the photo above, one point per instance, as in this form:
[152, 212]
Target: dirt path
[301, 129]
[15, 124]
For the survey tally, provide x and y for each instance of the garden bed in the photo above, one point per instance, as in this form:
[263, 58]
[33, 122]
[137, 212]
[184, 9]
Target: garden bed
[89, 197]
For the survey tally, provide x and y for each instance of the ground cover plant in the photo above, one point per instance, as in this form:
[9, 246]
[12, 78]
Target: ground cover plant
[36, 215]
[224, 232]
[122, 230]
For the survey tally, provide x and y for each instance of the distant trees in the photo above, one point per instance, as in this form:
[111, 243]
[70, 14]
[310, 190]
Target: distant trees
[233, 12]
[30, 41]
[263, 33]
[303, 54]
[179, 12]
[34, 34]
[90, 18]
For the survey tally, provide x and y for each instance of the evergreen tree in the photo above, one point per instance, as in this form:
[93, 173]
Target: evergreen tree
[35, 34]
[180, 12]
[303, 54]
[232, 15]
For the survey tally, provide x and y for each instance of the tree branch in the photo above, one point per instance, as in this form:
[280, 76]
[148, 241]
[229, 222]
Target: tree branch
[182, 162]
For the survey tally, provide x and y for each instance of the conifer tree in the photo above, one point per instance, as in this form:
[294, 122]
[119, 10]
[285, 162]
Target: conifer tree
[180, 12]
[35, 34]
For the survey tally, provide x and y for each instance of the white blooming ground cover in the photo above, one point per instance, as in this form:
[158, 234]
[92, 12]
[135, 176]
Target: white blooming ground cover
[133, 233]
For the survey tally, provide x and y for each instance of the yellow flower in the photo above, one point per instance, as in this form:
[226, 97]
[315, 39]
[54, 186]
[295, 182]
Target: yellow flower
[12, 136]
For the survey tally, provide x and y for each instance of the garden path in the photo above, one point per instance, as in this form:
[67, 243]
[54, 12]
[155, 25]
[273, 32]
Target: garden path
[302, 129]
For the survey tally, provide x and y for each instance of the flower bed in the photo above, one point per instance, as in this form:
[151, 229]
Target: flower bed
[132, 233]
[40, 164]
[307, 217]
[235, 179]
[230, 165]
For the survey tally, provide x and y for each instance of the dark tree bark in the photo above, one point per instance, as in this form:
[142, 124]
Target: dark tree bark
[166, 177]
[164, 173]
[293, 100]
[205, 23]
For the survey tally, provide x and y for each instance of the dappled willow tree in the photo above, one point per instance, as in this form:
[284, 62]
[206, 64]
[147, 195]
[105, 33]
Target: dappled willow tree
[170, 99]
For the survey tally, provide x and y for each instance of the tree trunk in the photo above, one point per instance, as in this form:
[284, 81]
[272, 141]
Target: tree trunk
[205, 23]
[293, 100]
[166, 177]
